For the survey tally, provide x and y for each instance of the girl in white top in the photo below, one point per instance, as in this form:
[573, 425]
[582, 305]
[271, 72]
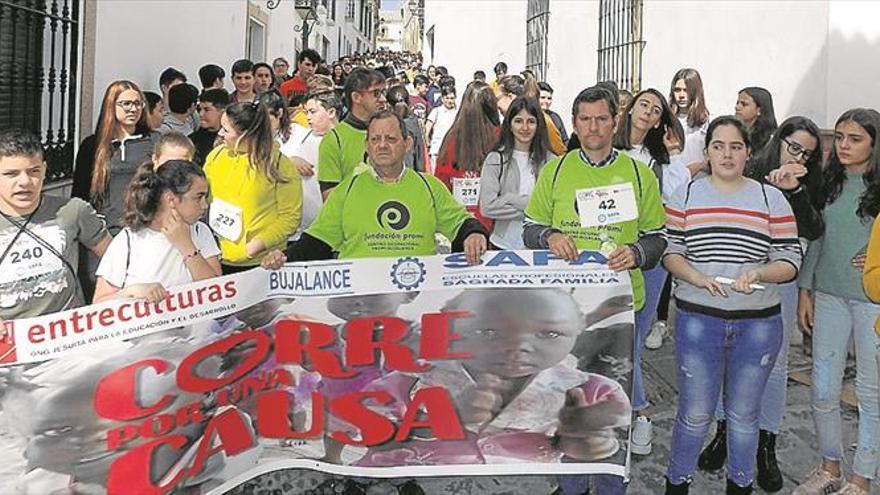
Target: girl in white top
[650, 133]
[163, 243]
[510, 170]
[687, 102]
[323, 109]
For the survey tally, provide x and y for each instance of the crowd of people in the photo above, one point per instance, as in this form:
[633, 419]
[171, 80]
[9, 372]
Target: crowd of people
[746, 224]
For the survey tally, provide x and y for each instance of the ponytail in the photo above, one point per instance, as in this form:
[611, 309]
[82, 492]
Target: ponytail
[252, 121]
[144, 193]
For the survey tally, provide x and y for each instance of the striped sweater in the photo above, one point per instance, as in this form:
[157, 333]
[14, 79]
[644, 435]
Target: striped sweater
[724, 234]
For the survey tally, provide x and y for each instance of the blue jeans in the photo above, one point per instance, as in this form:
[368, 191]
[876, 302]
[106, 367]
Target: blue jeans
[773, 402]
[837, 319]
[576, 484]
[713, 351]
[655, 278]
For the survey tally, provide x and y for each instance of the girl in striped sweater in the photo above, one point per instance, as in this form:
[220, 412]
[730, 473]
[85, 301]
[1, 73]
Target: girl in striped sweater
[731, 241]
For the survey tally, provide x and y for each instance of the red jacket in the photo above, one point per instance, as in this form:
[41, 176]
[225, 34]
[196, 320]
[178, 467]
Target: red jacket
[445, 171]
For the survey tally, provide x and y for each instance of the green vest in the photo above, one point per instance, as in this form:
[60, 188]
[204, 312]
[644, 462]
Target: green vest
[364, 217]
[553, 203]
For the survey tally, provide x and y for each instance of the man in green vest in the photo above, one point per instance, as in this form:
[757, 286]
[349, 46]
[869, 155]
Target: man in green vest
[599, 199]
[342, 149]
[388, 211]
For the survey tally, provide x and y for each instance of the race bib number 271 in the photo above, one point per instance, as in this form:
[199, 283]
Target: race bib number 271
[466, 190]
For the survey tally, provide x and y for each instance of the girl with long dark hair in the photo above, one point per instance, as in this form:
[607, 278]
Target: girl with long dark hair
[511, 169]
[510, 87]
[473, 134]
[687, 102]
[833, 305]
[754, 108]
[264, 78]
[163, 243]
[279, 114]
[256, 194]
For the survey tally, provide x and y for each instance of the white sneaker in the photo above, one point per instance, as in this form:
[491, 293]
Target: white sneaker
[851, 489]
[641, 436]
[820, 482]
[657, 334]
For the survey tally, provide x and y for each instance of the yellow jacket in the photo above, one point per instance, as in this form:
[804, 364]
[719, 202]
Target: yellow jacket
[871, 274]
[556, 145]
[269, 212]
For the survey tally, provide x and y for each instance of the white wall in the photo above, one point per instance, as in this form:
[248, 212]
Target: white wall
[853, 63]
[392, 22]
[778, 45]
[280, 37]
[471, 35]
[572, 41]
[817, 58]
[137, 40]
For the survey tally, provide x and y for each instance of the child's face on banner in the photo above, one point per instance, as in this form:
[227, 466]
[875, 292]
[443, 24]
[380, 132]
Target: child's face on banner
[351, 307]
[518, 333]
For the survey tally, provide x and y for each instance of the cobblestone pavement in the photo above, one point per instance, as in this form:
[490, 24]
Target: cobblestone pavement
[796, 447]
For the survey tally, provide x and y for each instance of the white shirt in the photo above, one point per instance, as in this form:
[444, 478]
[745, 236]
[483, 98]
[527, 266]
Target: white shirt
[693, 130]
[304, 143]
[694, 144]
[512, 237]
[147, 256]
[526, 177]
[442, 118]
[675, 173]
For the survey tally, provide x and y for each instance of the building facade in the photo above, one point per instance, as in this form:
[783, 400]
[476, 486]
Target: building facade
[413, 30]
[816, 58]
[390, 32]
[62, 54]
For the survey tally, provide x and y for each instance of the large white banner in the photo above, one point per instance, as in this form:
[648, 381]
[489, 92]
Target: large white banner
[379, 368]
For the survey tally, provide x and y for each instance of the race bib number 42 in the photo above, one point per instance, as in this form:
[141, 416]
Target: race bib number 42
[466, 190]
[226, 219]
[606, 205]
[28, 258]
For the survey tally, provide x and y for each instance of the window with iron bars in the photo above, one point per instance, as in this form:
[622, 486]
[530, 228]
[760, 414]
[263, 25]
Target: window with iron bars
[39, 48]
[621, 43]
[537, 21]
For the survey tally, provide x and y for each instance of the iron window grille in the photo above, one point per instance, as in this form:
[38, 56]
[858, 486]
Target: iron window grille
[621, 43]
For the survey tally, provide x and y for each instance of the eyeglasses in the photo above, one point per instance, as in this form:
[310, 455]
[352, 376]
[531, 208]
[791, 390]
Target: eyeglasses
[796, 150]
[129, 105]
[377, 93]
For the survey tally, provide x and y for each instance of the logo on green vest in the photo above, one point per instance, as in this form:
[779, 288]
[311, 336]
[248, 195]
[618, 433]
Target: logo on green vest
[393, 215]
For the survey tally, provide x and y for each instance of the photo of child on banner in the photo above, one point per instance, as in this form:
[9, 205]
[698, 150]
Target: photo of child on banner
[520, 395]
